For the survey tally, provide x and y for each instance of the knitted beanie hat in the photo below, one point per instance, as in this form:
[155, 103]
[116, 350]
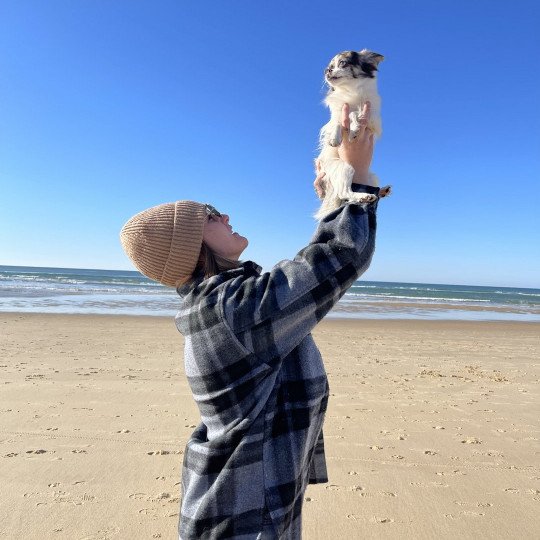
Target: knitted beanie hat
[164, 242]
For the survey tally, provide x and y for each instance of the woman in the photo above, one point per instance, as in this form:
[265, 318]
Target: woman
[252, 365]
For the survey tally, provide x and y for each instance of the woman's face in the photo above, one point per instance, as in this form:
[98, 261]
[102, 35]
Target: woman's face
[218, 235]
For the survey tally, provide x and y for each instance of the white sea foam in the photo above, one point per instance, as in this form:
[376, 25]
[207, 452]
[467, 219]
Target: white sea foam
[95, 291]
[388, 297]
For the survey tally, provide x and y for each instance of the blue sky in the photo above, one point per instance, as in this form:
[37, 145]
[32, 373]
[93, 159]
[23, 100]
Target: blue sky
[108, 108]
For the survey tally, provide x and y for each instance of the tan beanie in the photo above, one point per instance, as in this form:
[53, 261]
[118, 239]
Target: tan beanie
[164, 242]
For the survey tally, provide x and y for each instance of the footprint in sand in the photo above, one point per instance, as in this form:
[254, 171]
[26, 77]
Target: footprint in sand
[478, 505]
[492, 453]
[377, 519]
[430, 452]
[455, 471]
[36, 451]
[102, 534]
[163, 496]
[137, 496]
[471, 440]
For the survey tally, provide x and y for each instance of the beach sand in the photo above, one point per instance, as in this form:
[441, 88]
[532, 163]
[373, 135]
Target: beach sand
[431, 431]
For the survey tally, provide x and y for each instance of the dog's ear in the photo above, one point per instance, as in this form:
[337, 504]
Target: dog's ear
[370, 57]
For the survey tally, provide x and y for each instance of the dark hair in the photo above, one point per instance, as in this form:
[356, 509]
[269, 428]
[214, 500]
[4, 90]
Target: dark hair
[209, 264]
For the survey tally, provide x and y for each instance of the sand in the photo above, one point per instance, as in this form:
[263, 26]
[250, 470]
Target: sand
[431, 432]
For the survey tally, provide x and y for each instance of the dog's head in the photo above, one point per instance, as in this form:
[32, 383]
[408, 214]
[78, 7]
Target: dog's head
[349, 65]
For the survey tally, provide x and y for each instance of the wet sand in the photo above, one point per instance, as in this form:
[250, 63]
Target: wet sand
[431, 432]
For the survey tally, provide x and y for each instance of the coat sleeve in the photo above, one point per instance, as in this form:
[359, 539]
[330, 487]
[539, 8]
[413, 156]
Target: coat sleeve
[272, 313]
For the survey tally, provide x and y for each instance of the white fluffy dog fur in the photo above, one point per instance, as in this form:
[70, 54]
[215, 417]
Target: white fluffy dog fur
[351, 77]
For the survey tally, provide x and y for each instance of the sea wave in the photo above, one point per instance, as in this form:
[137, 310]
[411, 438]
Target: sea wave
[50, 290]
[390, 296]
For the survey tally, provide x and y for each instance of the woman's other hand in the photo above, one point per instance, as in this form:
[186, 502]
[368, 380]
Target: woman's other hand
[359, 152]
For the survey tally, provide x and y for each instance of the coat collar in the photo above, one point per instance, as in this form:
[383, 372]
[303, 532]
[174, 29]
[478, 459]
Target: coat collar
[246, 268]
[249, 268]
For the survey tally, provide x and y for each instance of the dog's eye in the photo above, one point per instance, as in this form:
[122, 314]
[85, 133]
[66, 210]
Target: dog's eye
[342, 63]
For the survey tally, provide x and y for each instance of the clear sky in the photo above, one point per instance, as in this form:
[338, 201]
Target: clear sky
[108, 108]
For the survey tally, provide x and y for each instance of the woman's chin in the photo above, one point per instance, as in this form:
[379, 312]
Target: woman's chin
[242, 238]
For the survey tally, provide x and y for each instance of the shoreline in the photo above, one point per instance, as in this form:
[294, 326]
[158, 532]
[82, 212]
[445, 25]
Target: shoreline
[332, 319]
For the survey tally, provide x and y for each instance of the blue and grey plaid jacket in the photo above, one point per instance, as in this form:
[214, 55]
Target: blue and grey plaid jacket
[259, 381]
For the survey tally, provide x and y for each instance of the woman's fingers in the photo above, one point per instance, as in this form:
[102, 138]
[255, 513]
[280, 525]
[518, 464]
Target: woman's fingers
[360, 121]
[366, 109]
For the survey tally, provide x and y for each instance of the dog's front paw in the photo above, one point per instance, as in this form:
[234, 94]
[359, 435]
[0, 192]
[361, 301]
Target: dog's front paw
[352, 134]
[335, 141]
[354, 118]
[335, 136]
[385, 191]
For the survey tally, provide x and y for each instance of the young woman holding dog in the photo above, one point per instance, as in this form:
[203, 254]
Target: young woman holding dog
[253, 367]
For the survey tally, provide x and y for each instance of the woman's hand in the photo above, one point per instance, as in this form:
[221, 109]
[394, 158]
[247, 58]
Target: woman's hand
[359, 152]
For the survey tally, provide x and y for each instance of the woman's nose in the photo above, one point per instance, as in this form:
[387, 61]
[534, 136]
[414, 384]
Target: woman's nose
[225, 218]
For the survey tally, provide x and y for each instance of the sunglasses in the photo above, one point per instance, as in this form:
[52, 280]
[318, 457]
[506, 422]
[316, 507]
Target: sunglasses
[212, 211]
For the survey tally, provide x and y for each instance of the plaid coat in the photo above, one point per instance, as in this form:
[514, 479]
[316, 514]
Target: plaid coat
[259, 381]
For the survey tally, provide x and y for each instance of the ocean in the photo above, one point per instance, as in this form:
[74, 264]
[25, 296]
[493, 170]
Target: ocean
[68, 290]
